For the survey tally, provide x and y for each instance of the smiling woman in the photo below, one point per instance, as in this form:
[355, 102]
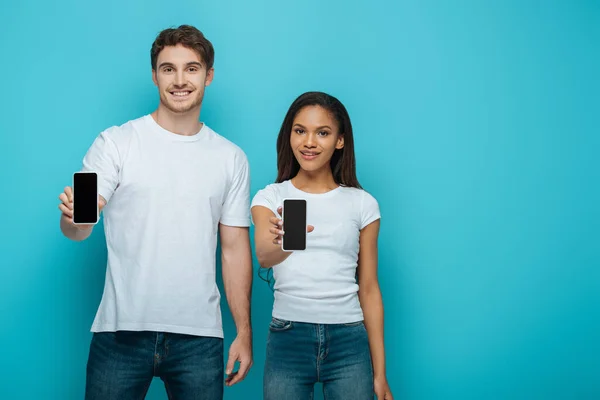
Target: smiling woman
[318, 303]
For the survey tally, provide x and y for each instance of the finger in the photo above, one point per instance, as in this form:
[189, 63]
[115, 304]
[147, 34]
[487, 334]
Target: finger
[279, 210]
[65, 210]
[63, 197]
[310, 228]
[230, 378]
[241, 373]
[276, 231]
[230, 363]
[277, 240]
[69, 193]
[275, 221]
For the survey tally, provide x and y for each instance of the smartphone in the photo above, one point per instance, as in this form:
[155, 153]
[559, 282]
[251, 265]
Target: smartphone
[85, 198]
[294, 225]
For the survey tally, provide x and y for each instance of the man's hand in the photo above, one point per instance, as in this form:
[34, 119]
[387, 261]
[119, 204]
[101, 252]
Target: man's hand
[66, 207]
[68, 228]
[240, 350]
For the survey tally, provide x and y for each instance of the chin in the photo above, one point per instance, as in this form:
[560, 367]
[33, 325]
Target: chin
[180, 108]
[309, 167]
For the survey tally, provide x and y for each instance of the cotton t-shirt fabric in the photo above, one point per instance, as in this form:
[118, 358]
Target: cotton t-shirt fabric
[318, 285]
[166, 194]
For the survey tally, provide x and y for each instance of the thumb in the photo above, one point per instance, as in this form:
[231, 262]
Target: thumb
[310, 228]
[230, 363]
[101, 202]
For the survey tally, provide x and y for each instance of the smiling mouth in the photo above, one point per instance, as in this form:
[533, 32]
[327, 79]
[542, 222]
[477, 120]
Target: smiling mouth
[181, 93]
[309, 155]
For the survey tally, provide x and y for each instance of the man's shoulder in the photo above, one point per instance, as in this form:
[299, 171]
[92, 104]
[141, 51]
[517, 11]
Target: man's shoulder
[125, 130]
[221, 143]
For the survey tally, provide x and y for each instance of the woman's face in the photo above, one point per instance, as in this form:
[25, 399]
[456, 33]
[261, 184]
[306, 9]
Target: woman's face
[314, 138]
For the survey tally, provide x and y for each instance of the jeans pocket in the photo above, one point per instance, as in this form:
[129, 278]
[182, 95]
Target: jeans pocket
[277, 325]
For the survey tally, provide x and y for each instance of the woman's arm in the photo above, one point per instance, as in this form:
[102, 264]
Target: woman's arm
[266, 236]
[372, 305]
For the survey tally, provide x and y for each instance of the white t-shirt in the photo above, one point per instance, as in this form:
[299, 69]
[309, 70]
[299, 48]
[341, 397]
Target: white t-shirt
[318, 285]
[166, 194]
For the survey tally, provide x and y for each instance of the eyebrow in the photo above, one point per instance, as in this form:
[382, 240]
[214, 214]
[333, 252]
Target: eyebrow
[168, 64]
[320, 127]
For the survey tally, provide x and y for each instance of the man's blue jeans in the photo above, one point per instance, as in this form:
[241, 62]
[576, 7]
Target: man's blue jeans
[121, 365]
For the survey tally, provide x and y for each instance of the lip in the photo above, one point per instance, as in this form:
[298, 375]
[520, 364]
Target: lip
[309, 155]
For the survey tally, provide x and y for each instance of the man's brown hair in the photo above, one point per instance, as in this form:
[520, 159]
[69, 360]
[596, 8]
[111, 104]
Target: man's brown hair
[187, 36]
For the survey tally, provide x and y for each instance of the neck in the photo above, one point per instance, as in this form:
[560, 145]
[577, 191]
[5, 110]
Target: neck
[320, 181]
[186, 124]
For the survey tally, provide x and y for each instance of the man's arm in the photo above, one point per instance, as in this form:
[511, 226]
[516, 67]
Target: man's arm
[103, 158]
[237, 278]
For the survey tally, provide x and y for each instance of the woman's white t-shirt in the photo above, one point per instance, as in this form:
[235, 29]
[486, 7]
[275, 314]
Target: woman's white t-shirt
[318, 285]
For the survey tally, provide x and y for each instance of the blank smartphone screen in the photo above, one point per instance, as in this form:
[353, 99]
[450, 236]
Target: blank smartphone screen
[294, 225]
[85, 198]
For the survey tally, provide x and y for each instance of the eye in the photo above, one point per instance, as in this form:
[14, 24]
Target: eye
[168, 70]
[299, 131]
[323, 133]
[192, 69]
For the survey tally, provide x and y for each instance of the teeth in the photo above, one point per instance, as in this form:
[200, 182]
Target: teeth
[181, 93]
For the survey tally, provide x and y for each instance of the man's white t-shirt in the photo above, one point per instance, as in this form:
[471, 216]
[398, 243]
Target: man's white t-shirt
[318, 285]
[166, 195]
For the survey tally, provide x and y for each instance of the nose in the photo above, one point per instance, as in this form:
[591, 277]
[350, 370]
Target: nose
[310, 141]
[179, 79]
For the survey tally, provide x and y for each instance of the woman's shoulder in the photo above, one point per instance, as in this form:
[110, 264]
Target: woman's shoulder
[276, 187]
[272, 189]
[358, 193]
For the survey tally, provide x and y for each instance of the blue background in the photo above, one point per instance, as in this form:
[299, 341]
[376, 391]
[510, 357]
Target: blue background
[476, 129]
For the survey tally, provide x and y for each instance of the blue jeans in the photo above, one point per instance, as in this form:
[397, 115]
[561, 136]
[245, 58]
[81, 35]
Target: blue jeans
[301, 354]
[122, 364]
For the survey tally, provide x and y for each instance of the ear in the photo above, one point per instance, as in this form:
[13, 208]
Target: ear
[154, 78]
[210, 74]
[340, 142]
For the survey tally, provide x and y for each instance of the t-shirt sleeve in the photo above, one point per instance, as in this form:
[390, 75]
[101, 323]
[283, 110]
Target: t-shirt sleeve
[369, 210]
[103, 158]
[236, 210]
[266, 197]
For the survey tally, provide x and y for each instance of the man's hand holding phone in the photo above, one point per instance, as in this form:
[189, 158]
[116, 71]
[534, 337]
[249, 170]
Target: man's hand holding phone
[66, 207]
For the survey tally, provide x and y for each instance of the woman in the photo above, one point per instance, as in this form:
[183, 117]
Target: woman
[325, 328]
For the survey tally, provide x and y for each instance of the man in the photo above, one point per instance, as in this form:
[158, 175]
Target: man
[167, 185]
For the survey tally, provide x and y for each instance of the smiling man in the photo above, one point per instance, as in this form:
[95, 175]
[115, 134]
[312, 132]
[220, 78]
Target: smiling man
[168, 185]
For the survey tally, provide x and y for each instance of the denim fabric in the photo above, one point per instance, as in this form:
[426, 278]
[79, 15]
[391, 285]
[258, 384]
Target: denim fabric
[122, 364]
[301, 354]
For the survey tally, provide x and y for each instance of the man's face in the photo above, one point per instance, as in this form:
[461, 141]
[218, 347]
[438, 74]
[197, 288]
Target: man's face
[181, 77]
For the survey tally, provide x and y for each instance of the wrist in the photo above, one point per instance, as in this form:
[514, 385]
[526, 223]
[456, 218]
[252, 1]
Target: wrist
[244, 330]
[379, 375]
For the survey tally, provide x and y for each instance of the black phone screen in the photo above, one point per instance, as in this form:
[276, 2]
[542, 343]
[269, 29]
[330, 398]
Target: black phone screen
[85, 198]
[294, 224]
